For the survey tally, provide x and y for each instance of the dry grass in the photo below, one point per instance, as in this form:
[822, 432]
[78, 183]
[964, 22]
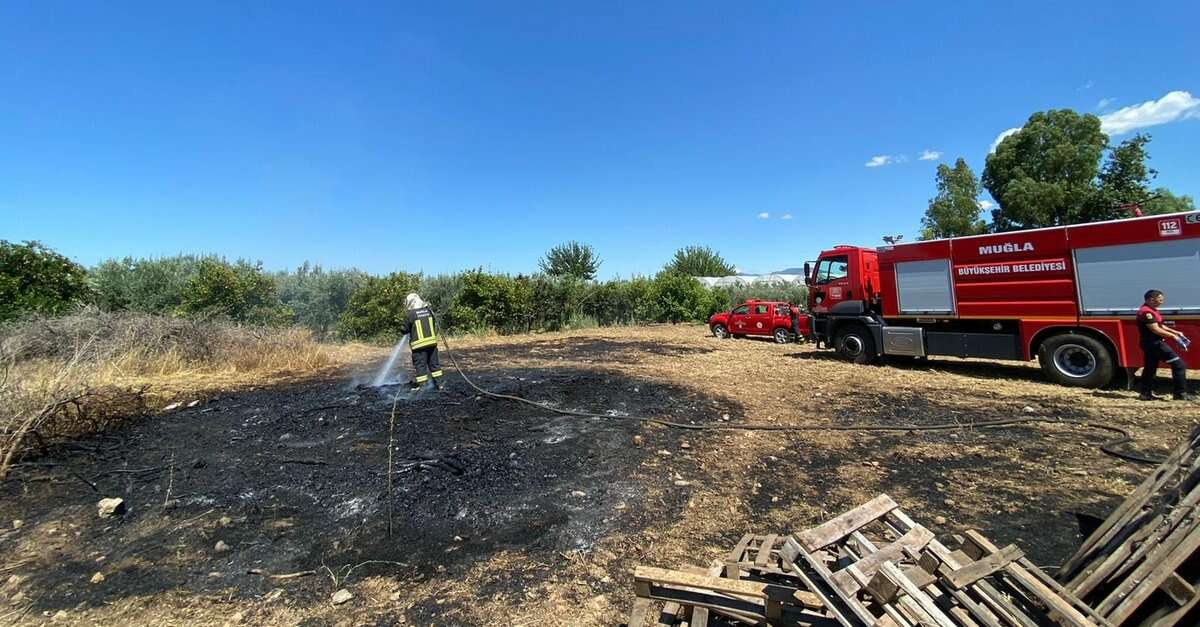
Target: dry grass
[66, 376]
[1015, 487]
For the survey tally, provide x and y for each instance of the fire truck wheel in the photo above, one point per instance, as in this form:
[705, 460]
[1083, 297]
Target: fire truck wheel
[783, 336]
[720, 332]
[1076, 360]
[855, 344]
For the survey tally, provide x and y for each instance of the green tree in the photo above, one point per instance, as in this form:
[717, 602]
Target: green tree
[34, 278]
[318, 297]
[571, 259]
[699, 261]
[239, 291]
[955, 210]
[1124, 180]
[145, 285]
[1045, 174]
[1163, 201]
[677, 297]
[376, 308]
[493, 301]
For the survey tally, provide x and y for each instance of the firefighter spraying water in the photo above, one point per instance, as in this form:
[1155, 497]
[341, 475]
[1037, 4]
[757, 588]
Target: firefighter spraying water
[419, 333]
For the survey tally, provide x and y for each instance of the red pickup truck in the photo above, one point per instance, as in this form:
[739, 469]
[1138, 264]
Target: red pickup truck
[759, 317]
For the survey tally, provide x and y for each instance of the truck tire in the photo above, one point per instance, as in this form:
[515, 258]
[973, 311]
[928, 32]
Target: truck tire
[720, 332]
[783, 335]
[854, 343]
[1076, 360]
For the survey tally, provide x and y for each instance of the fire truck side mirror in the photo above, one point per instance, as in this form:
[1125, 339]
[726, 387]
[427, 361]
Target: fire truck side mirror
[807, 273]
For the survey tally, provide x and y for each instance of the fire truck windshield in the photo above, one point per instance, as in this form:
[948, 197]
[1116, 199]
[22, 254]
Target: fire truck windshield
[832, 269]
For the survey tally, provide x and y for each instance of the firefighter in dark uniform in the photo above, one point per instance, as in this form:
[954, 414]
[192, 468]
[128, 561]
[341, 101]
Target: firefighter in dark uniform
[795, 313]
[1153, 335]
[422, 339]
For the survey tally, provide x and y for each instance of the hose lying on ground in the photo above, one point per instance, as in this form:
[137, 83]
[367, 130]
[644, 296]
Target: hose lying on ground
[1108, 448]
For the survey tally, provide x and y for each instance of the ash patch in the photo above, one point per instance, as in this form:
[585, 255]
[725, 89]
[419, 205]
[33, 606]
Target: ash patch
[294, 478]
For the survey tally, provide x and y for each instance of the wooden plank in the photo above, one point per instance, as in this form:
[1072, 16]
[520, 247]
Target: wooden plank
[1063, 592]
[662, 576]
[1172, 617]
[991, 599]
[1113, 526]
[914, 541]
[837, 528]
[1178, 589]
[699, 617]
[1064, 607]
[764, 550]
[932, 614]
[1150, 574]
[847, 611]
[669, 614]
[905, 610]
[637, 616]
[1140, 538]
[959, 578]
[882, 588]
[1095, 573]
[739, 551]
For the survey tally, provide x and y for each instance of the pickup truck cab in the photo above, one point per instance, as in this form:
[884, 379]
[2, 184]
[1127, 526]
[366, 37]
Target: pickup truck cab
[758, 317]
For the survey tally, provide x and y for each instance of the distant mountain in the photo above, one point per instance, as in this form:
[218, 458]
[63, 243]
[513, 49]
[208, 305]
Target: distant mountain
[790, 271]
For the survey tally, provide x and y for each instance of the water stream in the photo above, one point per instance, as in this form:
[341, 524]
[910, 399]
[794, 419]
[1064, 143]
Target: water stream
[382, 377]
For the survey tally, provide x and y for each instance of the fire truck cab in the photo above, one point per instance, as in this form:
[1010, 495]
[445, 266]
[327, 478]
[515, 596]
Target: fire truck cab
[1065, 295]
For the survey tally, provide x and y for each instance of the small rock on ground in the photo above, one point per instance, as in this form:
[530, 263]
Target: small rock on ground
[341, 596]
[108, 508]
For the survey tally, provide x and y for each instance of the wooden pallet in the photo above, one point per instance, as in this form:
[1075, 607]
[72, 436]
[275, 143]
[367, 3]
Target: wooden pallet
[1140, 567]
[873, 565]
[692, 595]
[904, 576]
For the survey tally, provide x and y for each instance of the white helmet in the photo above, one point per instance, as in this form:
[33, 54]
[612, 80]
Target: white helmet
[412, 301]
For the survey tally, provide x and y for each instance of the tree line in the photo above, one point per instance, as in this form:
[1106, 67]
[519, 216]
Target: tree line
[1060, 168]
[351, 304]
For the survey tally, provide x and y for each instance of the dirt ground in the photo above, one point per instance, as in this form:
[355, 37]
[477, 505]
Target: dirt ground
[508, 514]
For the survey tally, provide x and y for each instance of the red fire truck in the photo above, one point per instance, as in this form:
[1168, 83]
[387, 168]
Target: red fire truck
[1065, 295]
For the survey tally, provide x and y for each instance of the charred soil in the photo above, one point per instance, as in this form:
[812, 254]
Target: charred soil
[501, 510]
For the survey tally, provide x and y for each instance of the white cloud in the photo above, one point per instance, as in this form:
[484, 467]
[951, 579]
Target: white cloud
[929, 155]
[764, 216]
[986, 204]
[1104, 102]
[1177, 105]
[786, 216]
[1000, 138]
[1086, 86]
[879, 160]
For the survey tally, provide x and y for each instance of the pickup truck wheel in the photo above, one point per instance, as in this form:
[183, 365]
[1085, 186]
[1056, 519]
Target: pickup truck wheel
[1076, 360]
[720, 332]
[782, 336]
[854, 343]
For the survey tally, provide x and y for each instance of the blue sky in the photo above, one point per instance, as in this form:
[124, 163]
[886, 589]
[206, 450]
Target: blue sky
[438, 138]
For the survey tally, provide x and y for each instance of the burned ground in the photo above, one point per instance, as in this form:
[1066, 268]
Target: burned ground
[502, 510]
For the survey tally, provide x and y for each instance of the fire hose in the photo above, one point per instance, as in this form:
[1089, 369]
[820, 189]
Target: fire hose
[1108, 447]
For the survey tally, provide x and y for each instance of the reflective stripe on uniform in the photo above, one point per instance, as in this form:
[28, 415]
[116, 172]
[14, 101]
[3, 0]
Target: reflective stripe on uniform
[424, 332]
[422, 378]
[436, 373]
[1172, 360]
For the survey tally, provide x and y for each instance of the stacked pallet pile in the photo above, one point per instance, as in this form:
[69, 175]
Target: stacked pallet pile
[875, 565]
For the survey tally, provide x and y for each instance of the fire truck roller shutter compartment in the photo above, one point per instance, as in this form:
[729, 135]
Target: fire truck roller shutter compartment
[923, 287]
[1113, 279]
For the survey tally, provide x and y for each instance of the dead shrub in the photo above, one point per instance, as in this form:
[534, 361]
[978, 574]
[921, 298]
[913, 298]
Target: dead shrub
[75, 374]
